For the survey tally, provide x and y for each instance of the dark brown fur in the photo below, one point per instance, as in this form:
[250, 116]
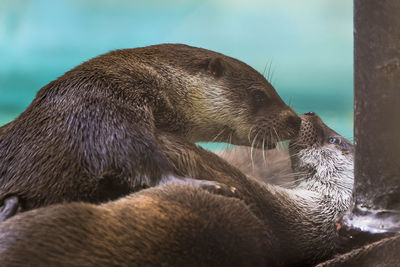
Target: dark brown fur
[4, 128]
[137, 231]
[92, 134]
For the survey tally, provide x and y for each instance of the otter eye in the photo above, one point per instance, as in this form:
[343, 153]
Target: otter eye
[258, 97]
[341, 142]
[334, 140]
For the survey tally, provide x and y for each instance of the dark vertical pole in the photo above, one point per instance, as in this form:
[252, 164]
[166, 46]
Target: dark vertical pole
[377, 116]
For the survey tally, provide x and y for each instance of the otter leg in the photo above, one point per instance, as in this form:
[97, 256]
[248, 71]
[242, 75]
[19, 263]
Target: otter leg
[210, 186]
[9, 208]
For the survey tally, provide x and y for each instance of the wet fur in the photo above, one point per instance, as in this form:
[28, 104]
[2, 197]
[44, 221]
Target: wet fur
[91, 135]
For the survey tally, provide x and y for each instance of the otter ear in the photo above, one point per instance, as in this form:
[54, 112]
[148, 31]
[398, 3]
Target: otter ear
[215, 66]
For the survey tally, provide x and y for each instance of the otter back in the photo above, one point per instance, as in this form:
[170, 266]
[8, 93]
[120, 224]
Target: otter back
[172, 225]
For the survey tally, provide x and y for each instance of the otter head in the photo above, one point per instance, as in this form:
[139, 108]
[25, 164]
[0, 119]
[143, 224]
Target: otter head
[231, 102]
[322, 158]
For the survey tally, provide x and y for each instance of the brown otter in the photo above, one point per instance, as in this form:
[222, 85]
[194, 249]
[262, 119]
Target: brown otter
[136, 231]
[91, 135]
[174, 225]
[323, 163]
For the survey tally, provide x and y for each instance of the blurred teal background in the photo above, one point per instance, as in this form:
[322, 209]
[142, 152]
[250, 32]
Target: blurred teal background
[308, 43]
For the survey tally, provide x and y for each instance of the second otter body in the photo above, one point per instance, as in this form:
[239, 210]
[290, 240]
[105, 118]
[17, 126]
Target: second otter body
[171, 225]
[187, 226]
[301, 218]
[91, 135]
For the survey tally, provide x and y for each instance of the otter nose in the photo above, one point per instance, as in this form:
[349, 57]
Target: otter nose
[309, 113]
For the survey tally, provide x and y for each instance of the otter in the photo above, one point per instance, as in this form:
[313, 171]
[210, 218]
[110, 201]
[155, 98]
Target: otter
[322, 161]
[182, 225]
[136, 231]
[92, 134]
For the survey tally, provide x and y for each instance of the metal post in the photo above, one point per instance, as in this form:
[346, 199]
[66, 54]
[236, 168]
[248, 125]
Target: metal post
[377, 117]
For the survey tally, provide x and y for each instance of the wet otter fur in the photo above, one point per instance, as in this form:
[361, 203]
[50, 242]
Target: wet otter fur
[176, 225]
[91, 135]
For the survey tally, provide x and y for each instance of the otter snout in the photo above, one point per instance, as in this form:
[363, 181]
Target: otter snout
[279, 124]
[314, 132]
[320, 151]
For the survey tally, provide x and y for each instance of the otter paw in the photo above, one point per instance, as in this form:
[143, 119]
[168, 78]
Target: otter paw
[211, 186]
[218, 188]
[9, 207]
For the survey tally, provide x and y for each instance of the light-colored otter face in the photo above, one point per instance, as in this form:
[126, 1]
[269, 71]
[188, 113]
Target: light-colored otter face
[236, 104]
[323, 159]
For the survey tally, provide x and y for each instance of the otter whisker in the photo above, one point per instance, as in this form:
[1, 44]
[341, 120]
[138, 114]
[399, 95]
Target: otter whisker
[295, 142]
[269, 71]
[251, 150]
[230, 137]
[294, 182]
[250, 131]
[265, 69]
[228, 142]
[263, 149]
[298, 143]
[272, 76]
[283, 159]
[215, 138]
[277, 138]
[294, 155]
[289, 176]
[290, 102]
[272, 139]
[298, 175]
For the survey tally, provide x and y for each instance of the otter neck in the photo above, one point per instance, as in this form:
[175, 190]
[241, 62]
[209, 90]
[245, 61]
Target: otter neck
[203, 107]
[171, 110]
[330, 174]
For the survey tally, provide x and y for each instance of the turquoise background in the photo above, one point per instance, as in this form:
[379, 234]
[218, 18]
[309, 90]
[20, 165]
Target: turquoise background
[308, 44]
